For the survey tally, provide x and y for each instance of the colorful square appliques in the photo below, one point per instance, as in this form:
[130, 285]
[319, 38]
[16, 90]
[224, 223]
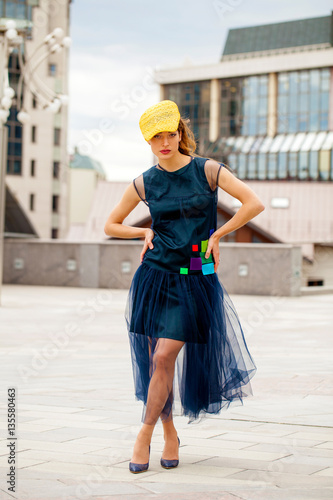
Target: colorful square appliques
[208, 268]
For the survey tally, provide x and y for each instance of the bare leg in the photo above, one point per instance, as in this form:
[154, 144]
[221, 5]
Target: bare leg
[171, 447]
[160, 389]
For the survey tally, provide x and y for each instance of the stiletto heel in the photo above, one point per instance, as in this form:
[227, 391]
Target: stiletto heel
[170, 464]
[136, 468]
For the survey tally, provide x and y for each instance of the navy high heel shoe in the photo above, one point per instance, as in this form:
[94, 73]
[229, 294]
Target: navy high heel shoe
[136, 468]
[170, 464]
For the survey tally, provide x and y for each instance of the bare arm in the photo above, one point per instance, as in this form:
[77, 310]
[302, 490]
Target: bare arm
[114, 225]
[251, 204]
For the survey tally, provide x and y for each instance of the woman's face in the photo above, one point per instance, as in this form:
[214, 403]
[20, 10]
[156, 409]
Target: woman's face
[165, 144]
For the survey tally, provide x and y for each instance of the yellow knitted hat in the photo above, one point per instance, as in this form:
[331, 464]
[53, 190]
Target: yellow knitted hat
[162, 117]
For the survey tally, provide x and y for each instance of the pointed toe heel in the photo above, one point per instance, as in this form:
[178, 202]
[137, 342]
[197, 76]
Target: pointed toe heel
[137, 468]
[170, 464]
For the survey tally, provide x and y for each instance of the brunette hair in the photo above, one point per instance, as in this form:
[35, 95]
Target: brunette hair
[188, 145]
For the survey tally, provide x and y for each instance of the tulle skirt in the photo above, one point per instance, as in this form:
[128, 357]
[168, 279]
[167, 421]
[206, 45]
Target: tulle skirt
[214, 367]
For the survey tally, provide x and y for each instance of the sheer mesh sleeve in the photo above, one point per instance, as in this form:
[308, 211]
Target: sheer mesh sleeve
[140, 188]
[212, 171]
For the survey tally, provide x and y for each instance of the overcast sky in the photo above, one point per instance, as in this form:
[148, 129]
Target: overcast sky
[116, 46]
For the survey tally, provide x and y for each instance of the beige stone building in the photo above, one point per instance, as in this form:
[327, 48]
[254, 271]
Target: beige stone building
[83, 176]
[37, 165]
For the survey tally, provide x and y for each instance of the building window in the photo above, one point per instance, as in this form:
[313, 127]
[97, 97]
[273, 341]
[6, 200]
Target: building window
[252, 167]
[315, 282]
[34, 102]
[262, 163]
[243, 108]
[313, 165]
[303, 100]
[193, 100]
[56, 169]
[272, 166]
[282, 165]
[57, 136]
[303, 165]
[241, 171]
[52, 69]
[32, 202]
[32, 168]
[55, 203]
[54, 233]
[14, 148]
[324, 165]
[14, 167]
[300, 165]
[17, 9]
[33, 133]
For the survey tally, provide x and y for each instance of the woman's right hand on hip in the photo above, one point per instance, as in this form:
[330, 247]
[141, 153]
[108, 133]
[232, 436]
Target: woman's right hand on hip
[148, 242]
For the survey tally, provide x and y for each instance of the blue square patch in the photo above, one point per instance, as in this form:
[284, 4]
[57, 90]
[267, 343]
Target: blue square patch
[208, 268]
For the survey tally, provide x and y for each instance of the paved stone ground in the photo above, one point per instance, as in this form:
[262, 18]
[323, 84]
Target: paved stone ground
[66, 352]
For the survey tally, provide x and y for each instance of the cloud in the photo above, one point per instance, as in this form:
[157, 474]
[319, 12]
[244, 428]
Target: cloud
[124, 155]
[106, 103]
[98, 81]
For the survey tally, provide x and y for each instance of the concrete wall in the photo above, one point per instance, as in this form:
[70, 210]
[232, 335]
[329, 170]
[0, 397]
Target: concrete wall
[243, 66]
[322, 266]
[272, 269]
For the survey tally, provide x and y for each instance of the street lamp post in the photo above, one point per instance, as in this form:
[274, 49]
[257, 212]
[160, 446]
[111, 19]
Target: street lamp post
[3, 161]
[51, 101]
[3, 146]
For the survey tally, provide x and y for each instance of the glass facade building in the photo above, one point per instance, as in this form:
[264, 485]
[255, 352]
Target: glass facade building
[266, 108]
[301, 146]
[303, 100]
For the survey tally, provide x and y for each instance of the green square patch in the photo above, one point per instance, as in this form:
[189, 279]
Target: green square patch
[203, 258]
[204, 245]
[183, 270]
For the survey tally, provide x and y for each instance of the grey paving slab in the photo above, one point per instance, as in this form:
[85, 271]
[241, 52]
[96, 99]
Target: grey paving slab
[182, 496]
[78, 417]
[264, 465]
[252, 438]
[288, 494]
[326, 472]
[284, 479]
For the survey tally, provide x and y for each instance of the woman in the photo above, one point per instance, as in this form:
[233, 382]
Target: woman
[178, 312]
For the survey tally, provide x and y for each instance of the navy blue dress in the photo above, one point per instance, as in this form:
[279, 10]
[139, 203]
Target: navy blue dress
[175, 293]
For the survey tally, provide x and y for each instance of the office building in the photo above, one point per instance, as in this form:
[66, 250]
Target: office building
[37, 164]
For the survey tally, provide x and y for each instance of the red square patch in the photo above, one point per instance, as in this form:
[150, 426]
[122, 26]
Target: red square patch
[195, 248]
